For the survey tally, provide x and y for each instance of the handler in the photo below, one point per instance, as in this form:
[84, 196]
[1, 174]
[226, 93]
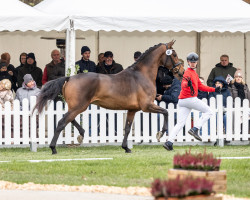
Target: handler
[188, 100]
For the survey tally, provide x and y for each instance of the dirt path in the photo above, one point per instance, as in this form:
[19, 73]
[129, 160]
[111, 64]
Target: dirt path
[140, 191]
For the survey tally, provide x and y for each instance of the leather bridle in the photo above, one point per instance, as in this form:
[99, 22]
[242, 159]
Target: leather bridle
[175, 69]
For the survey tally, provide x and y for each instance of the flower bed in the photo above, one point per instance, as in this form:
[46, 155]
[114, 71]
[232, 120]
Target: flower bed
[200, 166]
[189, 187]
[204, 162]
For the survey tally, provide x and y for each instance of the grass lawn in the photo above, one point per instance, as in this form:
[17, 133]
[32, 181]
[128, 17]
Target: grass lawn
[136, 169]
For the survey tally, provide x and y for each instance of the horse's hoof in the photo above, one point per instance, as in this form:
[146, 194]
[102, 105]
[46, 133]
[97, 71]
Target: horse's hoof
[159, 135]
[127, 150]
[53, 149]
[80, 139]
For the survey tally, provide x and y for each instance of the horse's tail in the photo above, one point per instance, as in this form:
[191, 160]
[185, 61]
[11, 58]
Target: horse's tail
[49, 92]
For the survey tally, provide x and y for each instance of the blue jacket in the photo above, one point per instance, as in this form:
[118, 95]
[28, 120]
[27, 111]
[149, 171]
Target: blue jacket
[171, 94]
[224, 91]
[202, 95]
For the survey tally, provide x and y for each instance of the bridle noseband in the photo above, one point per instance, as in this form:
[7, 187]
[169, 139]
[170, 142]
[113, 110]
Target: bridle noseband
[174, 67]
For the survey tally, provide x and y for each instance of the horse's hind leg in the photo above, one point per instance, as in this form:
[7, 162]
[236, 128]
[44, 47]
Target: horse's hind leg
[129, 121]
[80, 129]
[68, 117]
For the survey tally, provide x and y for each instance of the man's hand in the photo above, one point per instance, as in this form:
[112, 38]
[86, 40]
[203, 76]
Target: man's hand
[158, 97]
[218, 89]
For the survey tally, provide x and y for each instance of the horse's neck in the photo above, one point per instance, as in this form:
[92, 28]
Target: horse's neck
[153, 65]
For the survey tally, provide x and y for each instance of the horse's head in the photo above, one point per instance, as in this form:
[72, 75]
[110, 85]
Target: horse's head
[172, 62]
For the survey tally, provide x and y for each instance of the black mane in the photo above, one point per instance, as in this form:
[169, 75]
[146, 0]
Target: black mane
[142, 57]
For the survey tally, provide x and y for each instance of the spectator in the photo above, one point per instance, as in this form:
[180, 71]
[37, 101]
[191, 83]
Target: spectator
[30, 68]
[5, 57]
[55, 69]
[100, 59]
[221, 82]
[22, 60]
[238, 87]
[109, 66]
[172, 90]
[162, 72]
[137, 55]
[202, 94]
[224, 69]
[4, 73]
[85, 65]
[5, 92]
[28, 89]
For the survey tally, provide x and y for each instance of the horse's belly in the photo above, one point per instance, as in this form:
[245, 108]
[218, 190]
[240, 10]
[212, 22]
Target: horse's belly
[114, 105]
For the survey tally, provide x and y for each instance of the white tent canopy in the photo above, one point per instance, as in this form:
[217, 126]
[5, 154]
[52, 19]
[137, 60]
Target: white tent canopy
[15, 15]
[148, 15]
[143, 15]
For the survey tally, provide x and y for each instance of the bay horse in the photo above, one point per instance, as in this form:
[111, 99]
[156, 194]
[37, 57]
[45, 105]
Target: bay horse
[133, 89]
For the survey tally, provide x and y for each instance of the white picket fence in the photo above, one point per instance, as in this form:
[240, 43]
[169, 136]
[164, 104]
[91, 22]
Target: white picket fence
[102, 126]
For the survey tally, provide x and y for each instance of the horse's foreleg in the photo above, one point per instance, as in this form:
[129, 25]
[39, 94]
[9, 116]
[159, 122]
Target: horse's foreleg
[157, 109]
[129, 121]
[80, 129]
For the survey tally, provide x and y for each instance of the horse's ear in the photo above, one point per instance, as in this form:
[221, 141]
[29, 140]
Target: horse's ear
[170, 44]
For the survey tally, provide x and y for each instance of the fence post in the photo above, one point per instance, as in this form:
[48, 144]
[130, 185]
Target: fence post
[220, 139]
[33, 145]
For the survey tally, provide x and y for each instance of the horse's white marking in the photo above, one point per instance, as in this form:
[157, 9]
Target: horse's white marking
[234, 157]
[59, 160]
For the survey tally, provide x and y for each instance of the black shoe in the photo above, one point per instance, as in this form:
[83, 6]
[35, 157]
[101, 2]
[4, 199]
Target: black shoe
[168, 145]
[194, 132]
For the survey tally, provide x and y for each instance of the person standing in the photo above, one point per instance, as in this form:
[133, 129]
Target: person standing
[55, 69]
[100, 59]
[22, 60]
[188, 100]
[5, 57]
[30, 68]
[224, 69]
[137, 55]
[85, 65]
[109, 66]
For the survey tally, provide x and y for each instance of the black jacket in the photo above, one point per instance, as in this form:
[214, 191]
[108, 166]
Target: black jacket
[111, 69]
[162, 72]
[86, 66]
[224, 91]
[6, 75]
[35, 72]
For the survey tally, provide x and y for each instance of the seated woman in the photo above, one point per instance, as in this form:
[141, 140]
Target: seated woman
[28, 89]
[238, 87]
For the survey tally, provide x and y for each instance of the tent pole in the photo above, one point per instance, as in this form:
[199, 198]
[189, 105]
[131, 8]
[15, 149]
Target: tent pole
[97, 44]
[70, 50]
[198, 50]
[245, 56]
